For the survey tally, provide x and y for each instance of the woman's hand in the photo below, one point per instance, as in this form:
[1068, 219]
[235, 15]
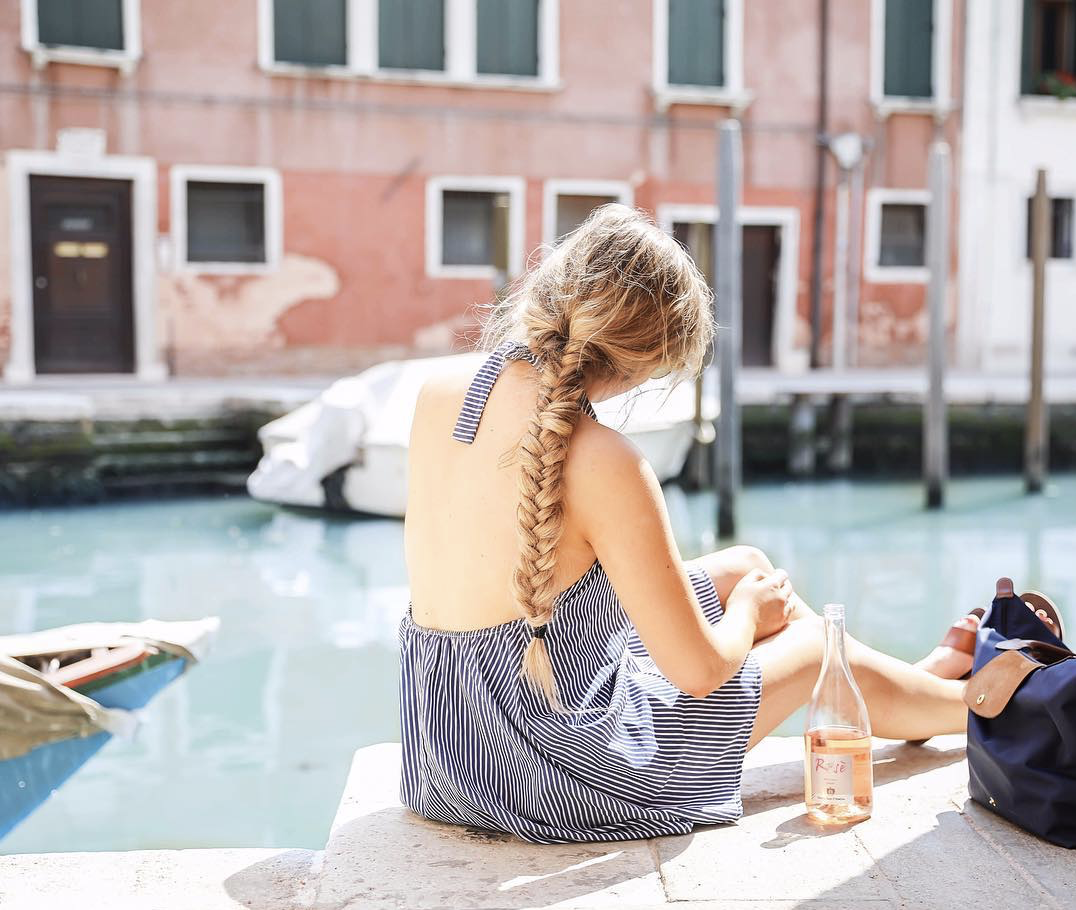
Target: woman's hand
[765, 598]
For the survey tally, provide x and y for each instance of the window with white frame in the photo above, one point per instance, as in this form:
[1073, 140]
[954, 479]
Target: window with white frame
[100, 32]
[910, 54]
[698, 51]
[478, 42]
[567, 204]
[474, 226]
[896, 235]
[1060, 244]
[1048, 52]
[226, 219]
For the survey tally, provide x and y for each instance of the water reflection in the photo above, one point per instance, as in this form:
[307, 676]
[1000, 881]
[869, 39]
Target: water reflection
[252, 747]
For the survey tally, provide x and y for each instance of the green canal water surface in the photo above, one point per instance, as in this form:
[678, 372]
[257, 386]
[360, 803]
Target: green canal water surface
[251, 747]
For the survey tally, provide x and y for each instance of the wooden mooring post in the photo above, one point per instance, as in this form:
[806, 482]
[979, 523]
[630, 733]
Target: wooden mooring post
[935, 429]
[1036, 448]
[728, 256]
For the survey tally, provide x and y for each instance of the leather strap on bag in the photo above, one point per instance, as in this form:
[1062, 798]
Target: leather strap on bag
[989, 691]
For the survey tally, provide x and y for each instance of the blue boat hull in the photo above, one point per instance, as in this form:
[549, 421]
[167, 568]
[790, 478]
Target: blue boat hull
[27, 780]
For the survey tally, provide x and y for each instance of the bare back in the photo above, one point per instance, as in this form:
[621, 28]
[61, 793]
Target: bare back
[460, 527]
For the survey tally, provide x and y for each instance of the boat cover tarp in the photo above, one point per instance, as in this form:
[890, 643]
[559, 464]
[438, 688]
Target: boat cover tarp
[307, 444]
[376, 407]
[35, 711]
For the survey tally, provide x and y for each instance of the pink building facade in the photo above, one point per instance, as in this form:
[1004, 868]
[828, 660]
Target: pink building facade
[271, 187]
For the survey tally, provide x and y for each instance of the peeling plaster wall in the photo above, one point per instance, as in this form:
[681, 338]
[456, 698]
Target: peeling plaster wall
[205, 319]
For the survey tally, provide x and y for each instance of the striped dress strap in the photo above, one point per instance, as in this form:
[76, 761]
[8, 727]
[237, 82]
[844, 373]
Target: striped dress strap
[478, 391]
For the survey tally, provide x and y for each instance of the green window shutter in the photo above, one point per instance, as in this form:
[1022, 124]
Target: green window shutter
[310, 32]
[507, 37]
[696, 42]
[909, 31]
[411, 34]
[81, 23]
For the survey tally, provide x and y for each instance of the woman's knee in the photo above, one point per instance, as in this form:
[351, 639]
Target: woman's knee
[746, 559]
[726, 567]
[736, 562]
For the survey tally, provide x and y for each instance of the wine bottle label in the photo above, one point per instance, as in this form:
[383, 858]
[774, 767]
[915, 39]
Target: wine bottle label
[831, 778]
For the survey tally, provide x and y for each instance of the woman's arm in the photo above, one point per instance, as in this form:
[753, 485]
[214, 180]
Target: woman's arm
[623, 515]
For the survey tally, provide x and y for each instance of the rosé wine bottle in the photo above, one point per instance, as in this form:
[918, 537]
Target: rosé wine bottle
[838, 775]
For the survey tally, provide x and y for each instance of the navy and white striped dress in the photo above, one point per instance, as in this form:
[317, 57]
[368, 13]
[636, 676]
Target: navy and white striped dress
[639, 757]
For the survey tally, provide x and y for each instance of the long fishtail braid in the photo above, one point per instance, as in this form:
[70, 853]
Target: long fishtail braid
[542, 452]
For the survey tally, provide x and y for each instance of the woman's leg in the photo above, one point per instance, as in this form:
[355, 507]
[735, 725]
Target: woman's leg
[903, 701]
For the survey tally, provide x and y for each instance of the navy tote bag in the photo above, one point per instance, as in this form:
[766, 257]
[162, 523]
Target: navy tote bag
[1022, 721]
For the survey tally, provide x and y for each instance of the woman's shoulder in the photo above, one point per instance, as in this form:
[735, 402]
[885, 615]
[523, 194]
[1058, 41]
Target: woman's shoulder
[597, 446]
[603, 462]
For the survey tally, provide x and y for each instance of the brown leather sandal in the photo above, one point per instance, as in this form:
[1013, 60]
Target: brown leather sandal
[960, 640]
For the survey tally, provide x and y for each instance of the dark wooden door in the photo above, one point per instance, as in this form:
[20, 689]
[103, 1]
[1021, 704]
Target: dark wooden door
[81, 237]
[761, 254]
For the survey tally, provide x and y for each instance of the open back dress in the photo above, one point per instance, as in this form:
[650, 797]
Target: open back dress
[635, 759]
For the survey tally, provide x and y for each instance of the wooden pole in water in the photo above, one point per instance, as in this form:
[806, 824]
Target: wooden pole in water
[728, 257]
[935, 430]
[1036, 448]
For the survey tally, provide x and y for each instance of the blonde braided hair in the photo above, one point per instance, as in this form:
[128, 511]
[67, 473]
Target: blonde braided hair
[614, 300]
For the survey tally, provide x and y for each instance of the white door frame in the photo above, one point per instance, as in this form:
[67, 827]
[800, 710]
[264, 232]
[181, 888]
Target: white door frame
[142, 172]
[786, 357]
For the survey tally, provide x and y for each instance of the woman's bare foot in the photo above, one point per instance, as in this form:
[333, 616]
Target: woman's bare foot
[949, 662]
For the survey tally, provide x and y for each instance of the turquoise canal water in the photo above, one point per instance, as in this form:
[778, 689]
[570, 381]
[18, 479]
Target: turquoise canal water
[252, 746]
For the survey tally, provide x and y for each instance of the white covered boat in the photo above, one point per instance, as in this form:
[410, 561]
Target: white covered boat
[347, 448]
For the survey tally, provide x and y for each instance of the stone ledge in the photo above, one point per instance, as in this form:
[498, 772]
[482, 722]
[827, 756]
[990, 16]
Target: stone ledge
[927, 846]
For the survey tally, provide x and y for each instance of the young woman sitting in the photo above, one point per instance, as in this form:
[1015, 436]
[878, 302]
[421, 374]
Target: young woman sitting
[565, 674]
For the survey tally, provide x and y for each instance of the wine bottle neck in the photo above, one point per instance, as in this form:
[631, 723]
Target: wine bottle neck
[834, 657]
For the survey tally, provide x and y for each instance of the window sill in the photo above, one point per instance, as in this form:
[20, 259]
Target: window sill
[124, 61]
[225, 268]
[1046, 104]
[473, 272]
[884, 107]
[896, 275]
[414, 77]
[737, 100]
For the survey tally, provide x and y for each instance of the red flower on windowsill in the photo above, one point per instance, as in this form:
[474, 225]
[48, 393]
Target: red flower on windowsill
[1059, 83]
